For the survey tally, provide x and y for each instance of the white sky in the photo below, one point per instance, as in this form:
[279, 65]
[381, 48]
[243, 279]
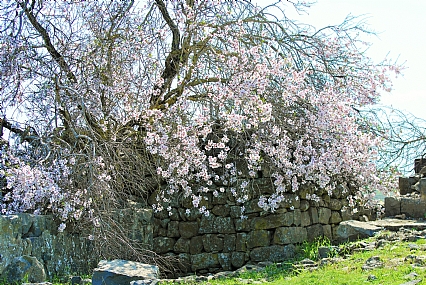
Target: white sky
[401, 32]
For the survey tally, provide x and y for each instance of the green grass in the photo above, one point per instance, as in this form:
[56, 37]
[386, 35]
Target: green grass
[348, 270]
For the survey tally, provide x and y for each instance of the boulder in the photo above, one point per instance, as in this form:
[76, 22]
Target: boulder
[352, 230]
[392, 206]
[24, 267]
[120, 272]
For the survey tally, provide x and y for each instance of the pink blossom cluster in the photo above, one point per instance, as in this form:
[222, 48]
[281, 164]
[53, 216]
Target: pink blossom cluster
[307, 130]
[38, 189]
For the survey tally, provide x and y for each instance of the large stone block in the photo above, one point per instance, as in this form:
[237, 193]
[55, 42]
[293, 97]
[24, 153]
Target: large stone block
[335, 204]
[290, 235]
[204, 261]
[392, 206]
[119, 272]
[252, 207]
[274, 253]
[196, 245]
[182, 245]
[297, 220]
[413, 208]
[241, 242]
[225, 261]
[207, 225]
[238, 259]
[224, 225]
[405, 184]
[189, 214]
[352, 230]
[304, 205]
[242, 224]
[188, 229]
[290, 200]
[263, 186]
[163, 244]
[236, 212]
[313, 212]
[305, 219]
[221, 210]
[258, 238]
[314, 231]
[229, 243]
[328, 232]
[23, 267]
[335, 217]
[272, 221]
[173, 229]
[324, 215]
[212, 243]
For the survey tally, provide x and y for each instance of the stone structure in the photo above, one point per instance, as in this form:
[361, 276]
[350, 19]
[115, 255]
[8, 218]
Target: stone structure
[27, 235]
[61, 253]
[225, 241]
[412, 200]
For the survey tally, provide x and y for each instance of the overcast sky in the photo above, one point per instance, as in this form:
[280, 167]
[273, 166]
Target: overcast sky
[401, 33]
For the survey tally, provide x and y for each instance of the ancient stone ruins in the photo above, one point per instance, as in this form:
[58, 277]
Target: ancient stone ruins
[221, 241]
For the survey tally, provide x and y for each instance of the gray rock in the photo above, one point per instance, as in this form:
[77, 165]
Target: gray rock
[392, 206]
[212, 243]
[24, 267]
[225, 260]
[196, 245]
[173, 229]
[207, 225]
[204, 260]
[272, 221]
[224, 225]
[163, 244]
[274, 253]
[314, 231]
[119, 272]
[324, 215]
[287, 235]
[352, 230]
[258, 238]
[335, 217]
[229, 243]
[372, 263]
[238, 259]
[188, 229]
[413, 207]
[182, 245]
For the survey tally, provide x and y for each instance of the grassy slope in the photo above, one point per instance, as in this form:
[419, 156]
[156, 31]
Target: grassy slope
[348, 270]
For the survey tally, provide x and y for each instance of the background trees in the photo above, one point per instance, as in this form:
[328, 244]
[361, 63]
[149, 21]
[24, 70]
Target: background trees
[112, 100]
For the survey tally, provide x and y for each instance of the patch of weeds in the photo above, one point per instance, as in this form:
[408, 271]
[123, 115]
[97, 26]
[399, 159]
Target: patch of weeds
[310, 249]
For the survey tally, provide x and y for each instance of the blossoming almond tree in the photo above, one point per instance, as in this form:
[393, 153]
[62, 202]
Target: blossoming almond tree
[177, 96]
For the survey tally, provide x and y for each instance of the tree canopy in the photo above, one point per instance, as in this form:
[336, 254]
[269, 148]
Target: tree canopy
[104, 100]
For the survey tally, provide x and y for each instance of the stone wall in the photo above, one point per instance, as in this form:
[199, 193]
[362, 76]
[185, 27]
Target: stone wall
[30, 235]
[225, 241]
[61, 253]
[411, 202]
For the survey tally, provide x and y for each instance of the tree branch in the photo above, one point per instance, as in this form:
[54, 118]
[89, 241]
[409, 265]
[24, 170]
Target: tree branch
[48, 43]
